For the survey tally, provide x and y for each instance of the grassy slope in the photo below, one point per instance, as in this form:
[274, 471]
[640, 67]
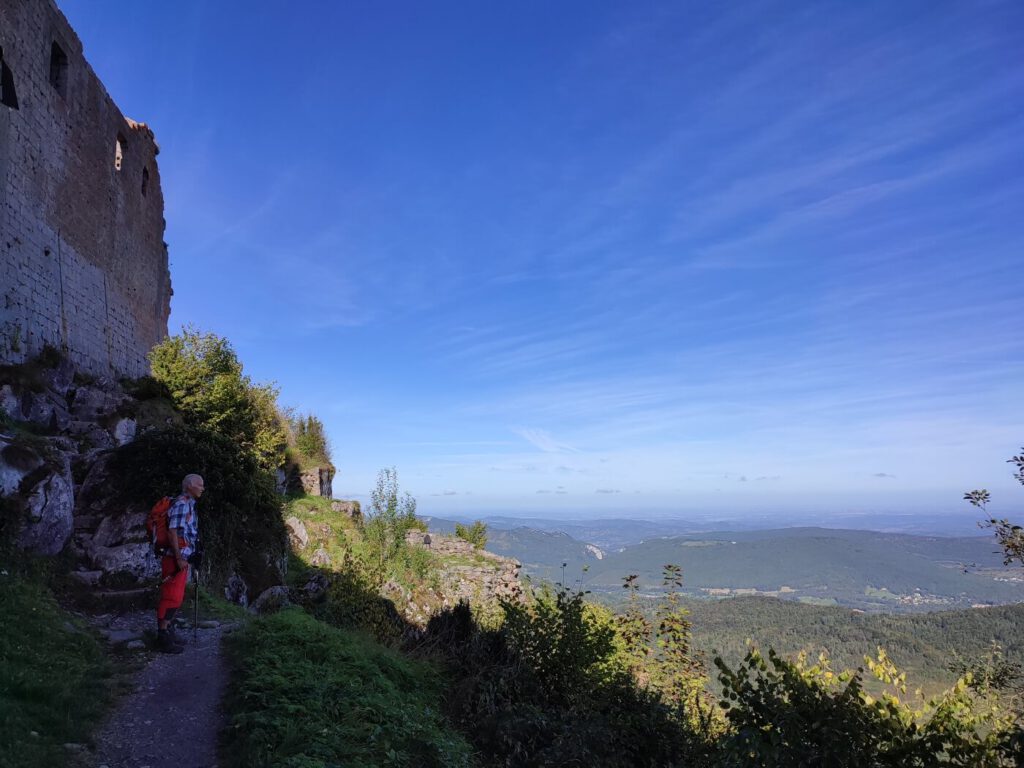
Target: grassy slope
[307, 694]
[52, 677]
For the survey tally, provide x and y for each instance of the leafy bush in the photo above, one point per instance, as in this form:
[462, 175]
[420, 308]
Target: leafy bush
[52, 688]
[306, 694]
[352, 602]
[785, 713]
[549, 688]
[240, 523]
[207, 383]
[475, 534]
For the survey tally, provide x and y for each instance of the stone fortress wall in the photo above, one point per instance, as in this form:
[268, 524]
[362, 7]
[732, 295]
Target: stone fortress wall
[83, 264]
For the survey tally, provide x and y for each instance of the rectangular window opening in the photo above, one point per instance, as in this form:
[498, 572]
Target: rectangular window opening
[8, 96]
[118, 151]
[59, 69]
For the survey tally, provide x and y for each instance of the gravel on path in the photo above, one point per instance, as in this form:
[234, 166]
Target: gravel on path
[173, 718]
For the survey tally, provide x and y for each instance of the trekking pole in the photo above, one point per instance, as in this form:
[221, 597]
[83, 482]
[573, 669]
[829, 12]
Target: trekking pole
[195, 612]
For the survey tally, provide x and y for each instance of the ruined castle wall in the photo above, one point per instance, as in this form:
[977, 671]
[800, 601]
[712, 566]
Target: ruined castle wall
[83, 264]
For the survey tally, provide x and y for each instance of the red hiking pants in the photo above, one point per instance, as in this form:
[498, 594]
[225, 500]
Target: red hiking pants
[172, 586]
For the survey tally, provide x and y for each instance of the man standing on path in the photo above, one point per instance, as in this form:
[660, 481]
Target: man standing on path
[182, 537]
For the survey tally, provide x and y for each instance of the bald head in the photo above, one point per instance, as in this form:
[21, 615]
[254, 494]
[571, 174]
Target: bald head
[193, 486]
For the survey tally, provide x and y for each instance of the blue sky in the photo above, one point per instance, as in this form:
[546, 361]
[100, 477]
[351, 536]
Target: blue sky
[585, 257]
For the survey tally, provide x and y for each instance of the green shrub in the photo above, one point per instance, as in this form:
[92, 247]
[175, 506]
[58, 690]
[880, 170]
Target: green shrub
[475, 534]
[306, 694]
[785, 713]
[52, 677]
[549, 688]
[205, 379]
[240, 523]
[309, 437]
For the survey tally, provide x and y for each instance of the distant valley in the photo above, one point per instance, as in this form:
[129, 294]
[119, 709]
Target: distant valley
[865, 570]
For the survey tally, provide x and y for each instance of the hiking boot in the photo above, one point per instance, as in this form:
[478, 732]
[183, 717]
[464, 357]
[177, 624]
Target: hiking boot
[165, 642]
[173, 632]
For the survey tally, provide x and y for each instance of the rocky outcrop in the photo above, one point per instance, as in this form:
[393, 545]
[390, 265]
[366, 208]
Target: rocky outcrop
[52, 478]
[469, 573]
[48, 504]
[109, 537]
[351, 509]
[317, 481]
[298, 537]
[271, 600]
[35, 474]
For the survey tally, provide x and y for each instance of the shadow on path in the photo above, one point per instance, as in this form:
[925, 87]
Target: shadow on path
[173, 718]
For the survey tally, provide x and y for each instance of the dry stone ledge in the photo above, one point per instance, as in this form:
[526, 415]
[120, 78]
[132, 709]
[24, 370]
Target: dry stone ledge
[350, 509]
[297, 535]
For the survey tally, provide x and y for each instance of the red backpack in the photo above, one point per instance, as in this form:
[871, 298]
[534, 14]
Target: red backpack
[156, 525]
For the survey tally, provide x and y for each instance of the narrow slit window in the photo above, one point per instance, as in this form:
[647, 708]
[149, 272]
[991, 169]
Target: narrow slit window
[8, 96]
[59, 69]
[118, 151]
[145, 181]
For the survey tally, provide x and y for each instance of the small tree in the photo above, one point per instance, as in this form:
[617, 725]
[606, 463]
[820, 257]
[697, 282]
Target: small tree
[206, 381]
[679, 670]
[310, 438]
[389, 518]
[1009, 535]
[475, 534]
[634, 629]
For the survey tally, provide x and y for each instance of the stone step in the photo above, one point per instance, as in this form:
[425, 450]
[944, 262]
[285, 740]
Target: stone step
[87, 522]
[118, 600]
[86, 578]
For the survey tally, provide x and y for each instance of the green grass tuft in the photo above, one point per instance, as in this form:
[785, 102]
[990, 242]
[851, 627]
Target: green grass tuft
[307, 694]
[53, 677]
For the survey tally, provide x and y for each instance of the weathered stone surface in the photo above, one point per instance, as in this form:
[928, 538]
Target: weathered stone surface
[321, 559]
[94, 404]
[135, 559]
[16, 461]
[82, 255]
[318, 481]
[10, 403]
[49, 505]
[495, 577]
[316, 586]
[86, 578]
[350, 509]
[271, 600]
[297, 534]
[58, 379]
[124, 431]
[236, 590]
[43, 409]
[120, 636]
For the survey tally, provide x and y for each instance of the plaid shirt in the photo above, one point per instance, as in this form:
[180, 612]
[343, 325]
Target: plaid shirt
[182, 518]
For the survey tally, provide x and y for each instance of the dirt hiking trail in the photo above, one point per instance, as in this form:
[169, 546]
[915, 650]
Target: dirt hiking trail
[173, 717]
